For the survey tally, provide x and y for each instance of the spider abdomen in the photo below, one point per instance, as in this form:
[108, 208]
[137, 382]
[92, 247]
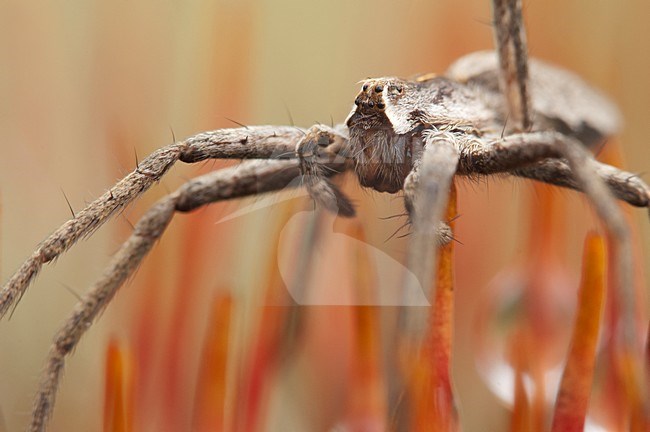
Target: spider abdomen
[561, 101]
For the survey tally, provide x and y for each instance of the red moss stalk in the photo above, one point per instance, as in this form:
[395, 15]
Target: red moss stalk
[209, 404]
[522, 418]
[367, 406]
[262, 361]
[429, 383]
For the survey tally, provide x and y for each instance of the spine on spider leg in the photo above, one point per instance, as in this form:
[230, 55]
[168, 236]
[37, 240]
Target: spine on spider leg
[263, 142]
[536, 155]
[244, 180]
[252, 177]
[625, 186]
[251, 142]
[146, 232]
[88, 220]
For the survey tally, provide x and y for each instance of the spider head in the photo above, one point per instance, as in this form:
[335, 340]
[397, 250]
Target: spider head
[375, 97]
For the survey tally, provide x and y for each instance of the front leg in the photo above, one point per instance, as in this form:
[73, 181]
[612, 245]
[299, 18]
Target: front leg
[257, 142]
[537, 156]
[426, 190]
[247, 179]
[624, 185]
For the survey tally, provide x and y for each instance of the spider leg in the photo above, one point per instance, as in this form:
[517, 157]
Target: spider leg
[536, 155]
[516, 152]
[426, 190]
[263, 142]
[624, 185]
[249, 178]
[510, 36]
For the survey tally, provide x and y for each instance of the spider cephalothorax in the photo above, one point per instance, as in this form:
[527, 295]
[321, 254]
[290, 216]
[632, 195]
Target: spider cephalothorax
[391, 115]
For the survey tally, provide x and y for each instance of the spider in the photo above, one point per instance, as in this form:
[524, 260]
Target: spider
[488, 114]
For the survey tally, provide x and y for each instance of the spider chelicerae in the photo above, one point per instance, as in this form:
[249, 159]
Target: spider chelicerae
[490, 113]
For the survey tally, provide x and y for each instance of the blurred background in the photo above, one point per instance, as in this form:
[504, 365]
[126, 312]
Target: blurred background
[85, 86]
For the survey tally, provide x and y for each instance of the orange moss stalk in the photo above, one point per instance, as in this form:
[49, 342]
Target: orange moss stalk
[261, 365]
[532, 348]
[118, 389]
[627, 399]
[367, 409]
[146, 338]
[429, 383]
[209, 403]
[575, 387]
[647, 361]
[629, 408]
[262, 361]
[367, 404]
[547, 237]
[176, 407]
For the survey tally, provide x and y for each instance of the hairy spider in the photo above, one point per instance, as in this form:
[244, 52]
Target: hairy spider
[489, 114]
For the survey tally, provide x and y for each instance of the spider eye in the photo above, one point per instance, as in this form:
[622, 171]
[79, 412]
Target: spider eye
[357, 101]
[379, 88]
[371, 104]
[381, 105]
[365, 87]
